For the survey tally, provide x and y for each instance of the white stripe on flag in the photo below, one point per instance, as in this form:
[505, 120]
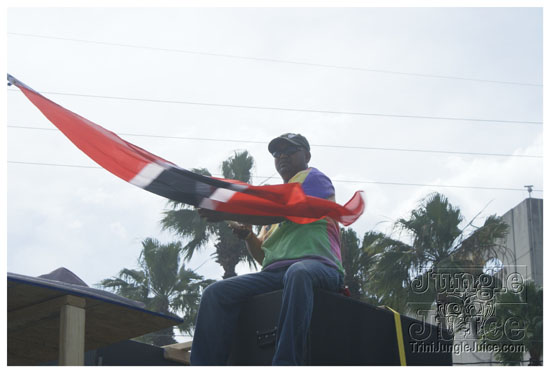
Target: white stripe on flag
[238, 187]
[222, 195]
[147, 175]
[219, 195]
[208, 204]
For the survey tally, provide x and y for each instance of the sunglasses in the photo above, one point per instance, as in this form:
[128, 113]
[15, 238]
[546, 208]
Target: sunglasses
[288, 151]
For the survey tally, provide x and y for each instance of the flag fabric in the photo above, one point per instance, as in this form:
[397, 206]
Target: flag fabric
[157, 175]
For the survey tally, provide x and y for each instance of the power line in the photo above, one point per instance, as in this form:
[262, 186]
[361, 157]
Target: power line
[53, 164]
[479, 120]
[430, 185]
[273, 60]
[312, 145]
[334, 180]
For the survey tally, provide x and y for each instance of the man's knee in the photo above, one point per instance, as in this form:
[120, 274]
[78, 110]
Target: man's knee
[213, 291]
[228, 291]
[297, 272]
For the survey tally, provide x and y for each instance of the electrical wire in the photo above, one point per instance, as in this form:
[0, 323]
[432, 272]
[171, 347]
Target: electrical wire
[273, 60]
[234, 106]
[312, 145]
[334, 180]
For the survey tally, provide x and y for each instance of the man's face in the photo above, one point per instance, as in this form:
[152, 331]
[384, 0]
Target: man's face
[290, 159]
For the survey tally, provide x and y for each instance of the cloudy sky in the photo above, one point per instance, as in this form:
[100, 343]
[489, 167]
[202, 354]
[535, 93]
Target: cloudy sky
[398, 102]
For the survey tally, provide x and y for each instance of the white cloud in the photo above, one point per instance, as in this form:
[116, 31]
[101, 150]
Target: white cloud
[118, 229]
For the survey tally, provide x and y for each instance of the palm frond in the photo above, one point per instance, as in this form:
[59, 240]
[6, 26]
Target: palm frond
[483, 243]
[189, 225]
[524, 308]
[238, 167]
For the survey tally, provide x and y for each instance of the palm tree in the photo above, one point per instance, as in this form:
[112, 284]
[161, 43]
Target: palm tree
[358, 263]
[163, 285]
[408, 276]
[238, 167]
[517, 322]
[351, 261]
[186, 223]
[387, 274]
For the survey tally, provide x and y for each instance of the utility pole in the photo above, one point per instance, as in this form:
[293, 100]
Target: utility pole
[529, 189]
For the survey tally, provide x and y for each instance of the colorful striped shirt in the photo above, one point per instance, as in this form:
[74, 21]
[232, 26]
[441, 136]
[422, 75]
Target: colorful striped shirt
[287, 242]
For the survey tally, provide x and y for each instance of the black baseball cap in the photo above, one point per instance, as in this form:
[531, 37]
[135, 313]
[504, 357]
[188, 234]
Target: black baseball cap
[293, 138]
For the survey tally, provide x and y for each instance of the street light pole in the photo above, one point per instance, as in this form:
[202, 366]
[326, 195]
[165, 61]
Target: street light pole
[529, 189]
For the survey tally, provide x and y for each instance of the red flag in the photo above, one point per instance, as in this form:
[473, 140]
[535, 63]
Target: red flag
[157, 175]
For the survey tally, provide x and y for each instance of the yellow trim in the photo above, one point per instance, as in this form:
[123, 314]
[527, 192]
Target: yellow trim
[399, 333]
[300, 176]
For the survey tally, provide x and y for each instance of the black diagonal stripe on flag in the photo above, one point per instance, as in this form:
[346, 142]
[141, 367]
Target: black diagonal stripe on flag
[157, 175]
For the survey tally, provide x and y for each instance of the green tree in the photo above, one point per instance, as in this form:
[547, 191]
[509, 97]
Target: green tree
[351, 261]
[517, 322]
[407, 276]
[186, 223]
[164, 285]
[381, 253]
[358, 263]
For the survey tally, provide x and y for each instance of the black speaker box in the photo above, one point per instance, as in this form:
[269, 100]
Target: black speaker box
[343, 331]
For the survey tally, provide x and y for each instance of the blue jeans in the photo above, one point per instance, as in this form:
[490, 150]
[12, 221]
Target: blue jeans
[222, 301]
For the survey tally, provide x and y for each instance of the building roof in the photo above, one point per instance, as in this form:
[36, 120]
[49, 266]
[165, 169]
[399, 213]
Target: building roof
[34, 305]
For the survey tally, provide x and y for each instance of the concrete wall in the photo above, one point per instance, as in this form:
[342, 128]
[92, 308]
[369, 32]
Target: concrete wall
[525, 240]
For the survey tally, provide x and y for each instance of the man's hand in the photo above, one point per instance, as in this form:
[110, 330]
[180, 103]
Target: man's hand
[240, 230]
